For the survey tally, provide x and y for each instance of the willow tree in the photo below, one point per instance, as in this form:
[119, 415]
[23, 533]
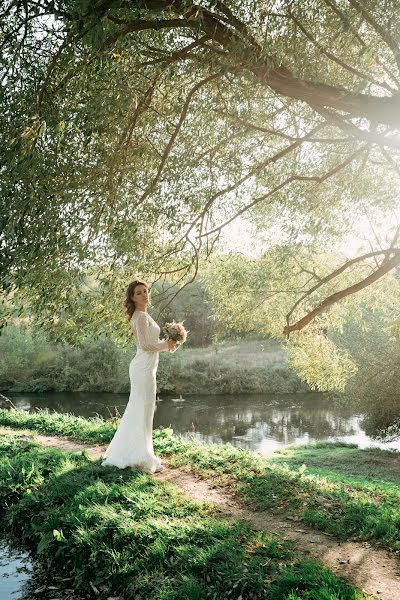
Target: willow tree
[135, 132]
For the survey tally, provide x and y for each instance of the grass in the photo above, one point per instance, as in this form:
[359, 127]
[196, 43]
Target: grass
[338, 488]
[371, 466]
[95, 429]
[229, 368]
[122, 532]
[348, 507]
[252, 353]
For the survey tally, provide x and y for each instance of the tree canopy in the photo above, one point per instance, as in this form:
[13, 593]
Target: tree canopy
[135, 133]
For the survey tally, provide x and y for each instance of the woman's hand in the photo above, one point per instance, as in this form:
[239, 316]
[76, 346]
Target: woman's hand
[171, 345]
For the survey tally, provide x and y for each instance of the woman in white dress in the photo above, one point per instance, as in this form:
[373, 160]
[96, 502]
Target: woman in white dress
[132, 444]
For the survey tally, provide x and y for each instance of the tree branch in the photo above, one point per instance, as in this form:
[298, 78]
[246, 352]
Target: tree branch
[381, 31]
[5, 399]
[232, 35]
[142, 25]
[142, 106]
[269, 160]
[387, 265]
[280, 79]
[179, 54]
[357, 36]
[170, 144]
[356, 132]
[316, 178]
[332, 57]
[279, 133]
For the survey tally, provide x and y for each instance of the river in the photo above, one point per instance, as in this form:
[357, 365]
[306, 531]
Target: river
[260, 422]
[15, 571]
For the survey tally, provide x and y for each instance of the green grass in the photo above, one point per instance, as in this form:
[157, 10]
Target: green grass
[372, 466]
[351, 493]
[95, 429]
[247, 353]
[348, 507]
[122, 532]
[363, 497]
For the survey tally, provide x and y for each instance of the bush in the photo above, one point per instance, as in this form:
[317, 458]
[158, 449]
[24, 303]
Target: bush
[25, 353]
[34, 364]
[375, 389]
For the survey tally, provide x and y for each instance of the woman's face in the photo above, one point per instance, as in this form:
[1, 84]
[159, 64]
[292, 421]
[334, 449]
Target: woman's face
[141, 296]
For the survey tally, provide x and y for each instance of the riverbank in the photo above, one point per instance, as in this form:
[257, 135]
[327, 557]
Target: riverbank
[339, 488]
[33, 364]
[125, 532]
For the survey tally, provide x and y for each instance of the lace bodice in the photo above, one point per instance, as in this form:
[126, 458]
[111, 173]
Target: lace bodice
[146, 332]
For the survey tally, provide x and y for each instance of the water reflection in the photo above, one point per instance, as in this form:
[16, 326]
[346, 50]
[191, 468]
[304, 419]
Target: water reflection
[257, 422]
[15, 571]
[264, 423]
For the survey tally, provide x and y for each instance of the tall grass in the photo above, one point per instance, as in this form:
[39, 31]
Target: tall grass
[32, 363]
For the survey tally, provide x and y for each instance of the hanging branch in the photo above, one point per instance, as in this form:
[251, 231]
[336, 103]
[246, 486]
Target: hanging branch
[370, 136]
[195, 261]
[142, 25]
[256, 169]
[170, 144]
[335, 59]
[141, 108]
[5, 399]
[232, 35]
[347, 24]
[381, 31]
[281, 80]
[389, 263]
[311, 178]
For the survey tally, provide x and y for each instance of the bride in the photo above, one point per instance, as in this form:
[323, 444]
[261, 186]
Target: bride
[132, 444]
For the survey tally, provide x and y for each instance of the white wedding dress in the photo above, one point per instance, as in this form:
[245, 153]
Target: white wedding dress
[132, 444]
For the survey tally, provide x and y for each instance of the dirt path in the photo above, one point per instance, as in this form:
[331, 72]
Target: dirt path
[375, 571]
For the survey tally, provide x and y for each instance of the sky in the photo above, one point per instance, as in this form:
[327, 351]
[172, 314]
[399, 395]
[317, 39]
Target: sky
[241, 236]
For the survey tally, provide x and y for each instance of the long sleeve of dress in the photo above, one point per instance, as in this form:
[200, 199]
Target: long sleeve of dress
[143, 336]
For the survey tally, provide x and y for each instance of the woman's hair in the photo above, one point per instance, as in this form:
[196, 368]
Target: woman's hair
[128, 302]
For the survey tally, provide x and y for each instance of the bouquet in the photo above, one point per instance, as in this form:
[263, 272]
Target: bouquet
[175, 331]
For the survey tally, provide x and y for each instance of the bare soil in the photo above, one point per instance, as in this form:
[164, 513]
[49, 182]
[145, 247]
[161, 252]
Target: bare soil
[373, 570]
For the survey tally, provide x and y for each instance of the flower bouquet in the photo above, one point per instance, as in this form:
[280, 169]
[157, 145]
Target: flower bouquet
[175, 331]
